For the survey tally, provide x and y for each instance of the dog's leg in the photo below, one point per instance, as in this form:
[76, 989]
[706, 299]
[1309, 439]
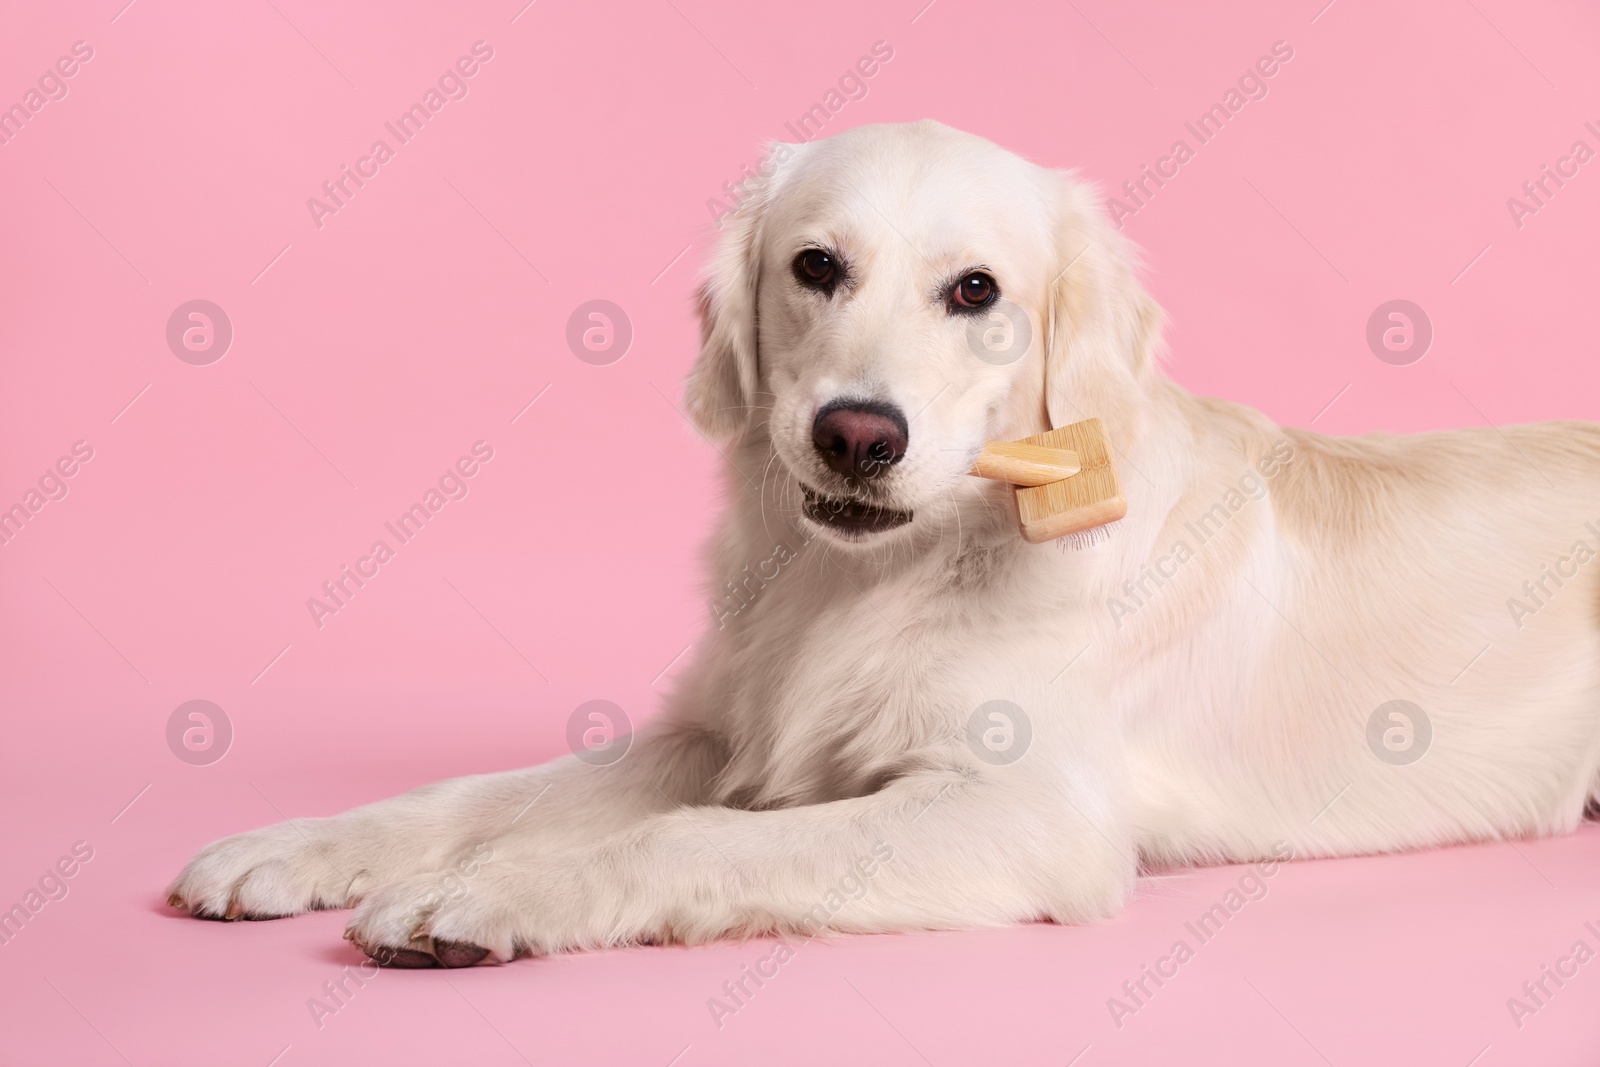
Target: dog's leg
[333, 862]
[939, 849]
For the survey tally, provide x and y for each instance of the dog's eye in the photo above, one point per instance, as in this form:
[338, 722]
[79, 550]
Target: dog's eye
[974, 291]
[816, 269]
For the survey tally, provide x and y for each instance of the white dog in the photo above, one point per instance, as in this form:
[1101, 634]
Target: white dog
[905, 717]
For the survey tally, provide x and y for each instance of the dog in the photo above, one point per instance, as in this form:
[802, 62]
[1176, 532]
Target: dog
[904, 717]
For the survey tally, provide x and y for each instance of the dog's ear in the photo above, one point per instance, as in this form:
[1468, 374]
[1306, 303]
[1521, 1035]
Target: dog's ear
[1103, 331]
[721, 389]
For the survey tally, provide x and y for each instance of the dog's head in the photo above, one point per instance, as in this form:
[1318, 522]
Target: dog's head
[888, 300]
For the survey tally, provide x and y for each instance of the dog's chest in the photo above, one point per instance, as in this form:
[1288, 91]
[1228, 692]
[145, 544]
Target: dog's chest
[817, 718]
[838, 687]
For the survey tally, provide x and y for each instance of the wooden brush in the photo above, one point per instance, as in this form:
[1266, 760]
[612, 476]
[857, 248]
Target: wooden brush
[1066, 482]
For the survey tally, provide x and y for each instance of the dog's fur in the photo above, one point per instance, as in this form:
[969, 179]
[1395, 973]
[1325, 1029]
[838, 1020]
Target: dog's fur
[1213, 708]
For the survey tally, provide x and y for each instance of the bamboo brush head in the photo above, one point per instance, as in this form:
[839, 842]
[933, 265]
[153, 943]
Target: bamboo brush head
[1066, 482]
[1090, 498]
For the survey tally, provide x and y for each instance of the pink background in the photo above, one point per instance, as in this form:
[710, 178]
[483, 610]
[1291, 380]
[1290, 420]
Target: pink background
[370, 353]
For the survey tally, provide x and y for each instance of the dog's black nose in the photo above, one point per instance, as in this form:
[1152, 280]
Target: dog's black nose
[860, 438]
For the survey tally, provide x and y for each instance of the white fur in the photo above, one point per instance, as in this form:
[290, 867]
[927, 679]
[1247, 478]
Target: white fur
[814, 771]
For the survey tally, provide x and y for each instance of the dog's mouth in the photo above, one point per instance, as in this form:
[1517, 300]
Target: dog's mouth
[853, 518]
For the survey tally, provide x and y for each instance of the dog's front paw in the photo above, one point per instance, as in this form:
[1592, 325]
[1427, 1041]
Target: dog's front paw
[434, 920]
[510, 909]
[269, 873]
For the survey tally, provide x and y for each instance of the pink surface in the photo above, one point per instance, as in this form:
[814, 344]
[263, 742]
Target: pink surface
[371, 351]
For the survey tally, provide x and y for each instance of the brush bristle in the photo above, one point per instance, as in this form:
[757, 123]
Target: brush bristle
[1095, 535]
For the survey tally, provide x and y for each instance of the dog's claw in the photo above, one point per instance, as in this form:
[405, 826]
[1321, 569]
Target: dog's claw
[176, 901]
[235, 911]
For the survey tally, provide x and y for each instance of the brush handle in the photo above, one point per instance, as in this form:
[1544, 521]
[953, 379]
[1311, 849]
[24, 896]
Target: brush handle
[1023, 464]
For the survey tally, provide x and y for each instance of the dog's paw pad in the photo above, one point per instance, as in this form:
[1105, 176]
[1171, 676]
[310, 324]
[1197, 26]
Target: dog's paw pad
[459, 953]
[443, 954]
[406, 958]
